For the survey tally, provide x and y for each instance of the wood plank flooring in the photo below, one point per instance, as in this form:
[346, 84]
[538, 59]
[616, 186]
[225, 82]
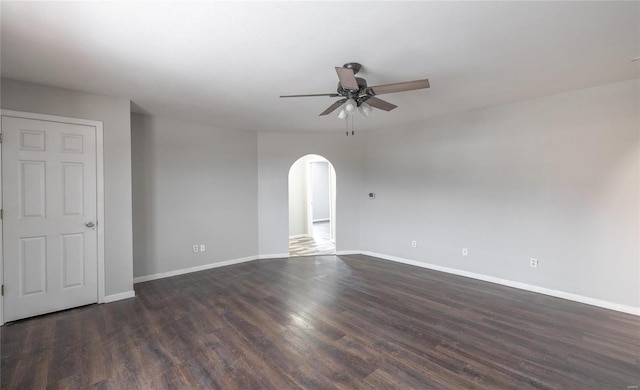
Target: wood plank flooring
[326, 322]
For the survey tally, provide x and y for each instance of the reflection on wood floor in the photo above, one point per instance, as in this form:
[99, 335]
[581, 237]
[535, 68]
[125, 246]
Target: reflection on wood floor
[326, 322]
[319, 244]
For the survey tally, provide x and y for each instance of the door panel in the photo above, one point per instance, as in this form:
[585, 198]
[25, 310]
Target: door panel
[49, 195]
[72, 189]
[31, 190]
[33, 265]
[72, 260]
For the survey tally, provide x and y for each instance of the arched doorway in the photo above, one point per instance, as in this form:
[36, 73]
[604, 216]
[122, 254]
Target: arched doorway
[312, 207]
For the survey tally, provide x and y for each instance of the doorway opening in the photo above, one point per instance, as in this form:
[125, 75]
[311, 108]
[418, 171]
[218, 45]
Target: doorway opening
[312, 207]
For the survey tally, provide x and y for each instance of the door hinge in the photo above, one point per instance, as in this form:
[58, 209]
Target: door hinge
[1, 213]
[2, 292]
[0, 138]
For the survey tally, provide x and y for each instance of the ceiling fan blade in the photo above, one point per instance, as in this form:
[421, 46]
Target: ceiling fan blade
[333, 107]
[347, 79]
[315, 94]
[400, 87]
[380, 104]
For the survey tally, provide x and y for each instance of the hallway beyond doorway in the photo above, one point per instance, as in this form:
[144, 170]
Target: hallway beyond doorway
[319, 244]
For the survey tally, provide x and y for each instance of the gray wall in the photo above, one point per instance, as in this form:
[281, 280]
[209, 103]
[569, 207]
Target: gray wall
[115, 115]
[276, 153]
[554, 178]
[193, 184]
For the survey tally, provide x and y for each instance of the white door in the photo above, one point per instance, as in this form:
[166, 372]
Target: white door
[50, 208]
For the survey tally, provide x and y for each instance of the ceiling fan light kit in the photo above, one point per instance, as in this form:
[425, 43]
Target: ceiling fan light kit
[357, 95]
[365, 109]
[342, 114]
[350, 105]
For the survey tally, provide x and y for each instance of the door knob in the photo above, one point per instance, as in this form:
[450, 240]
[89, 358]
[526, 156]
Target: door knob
[89, 224]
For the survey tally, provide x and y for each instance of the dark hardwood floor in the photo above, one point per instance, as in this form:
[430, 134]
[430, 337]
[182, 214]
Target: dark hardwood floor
[324, 323]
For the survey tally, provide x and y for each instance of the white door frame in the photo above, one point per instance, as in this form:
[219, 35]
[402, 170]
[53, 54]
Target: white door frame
[332, 204]
[99, 195]
[309, 192]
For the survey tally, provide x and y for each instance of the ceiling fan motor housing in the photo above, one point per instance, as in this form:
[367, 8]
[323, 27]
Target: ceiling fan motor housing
[351, 94]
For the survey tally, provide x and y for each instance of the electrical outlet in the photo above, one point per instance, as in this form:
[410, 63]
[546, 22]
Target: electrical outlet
[195, 248]
[202, 248]
[414, 244]
[465, 251]
[533, 262]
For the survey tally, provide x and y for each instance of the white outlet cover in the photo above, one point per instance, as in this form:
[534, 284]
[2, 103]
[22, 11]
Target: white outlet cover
[202, 248]
[195, 249]
[465, 252]
[533, 262]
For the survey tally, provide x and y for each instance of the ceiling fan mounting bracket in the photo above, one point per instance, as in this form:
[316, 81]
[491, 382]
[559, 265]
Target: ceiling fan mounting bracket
[354, 66]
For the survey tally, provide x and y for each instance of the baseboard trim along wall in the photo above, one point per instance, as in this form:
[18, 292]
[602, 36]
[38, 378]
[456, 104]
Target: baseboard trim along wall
[197, 268]
[505, 282]
[274, 256]
[168, 274]
[347, 253]
[119, 296]
[300, 236]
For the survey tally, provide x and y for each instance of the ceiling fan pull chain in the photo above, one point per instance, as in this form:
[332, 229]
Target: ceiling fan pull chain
[352, 132]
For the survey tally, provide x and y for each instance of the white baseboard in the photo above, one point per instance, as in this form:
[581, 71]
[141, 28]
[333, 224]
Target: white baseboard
[120, 296]
[321, 220]
[274, 256]
[346, 253]
[509, 283]
[197, 268]
[300, 236]
[491, 279]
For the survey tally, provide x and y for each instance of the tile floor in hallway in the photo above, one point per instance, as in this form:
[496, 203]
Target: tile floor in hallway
[319, 244]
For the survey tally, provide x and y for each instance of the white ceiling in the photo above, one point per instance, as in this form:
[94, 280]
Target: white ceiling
[226, 63]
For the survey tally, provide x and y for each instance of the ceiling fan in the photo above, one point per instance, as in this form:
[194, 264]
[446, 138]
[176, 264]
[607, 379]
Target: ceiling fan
[356, 94]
